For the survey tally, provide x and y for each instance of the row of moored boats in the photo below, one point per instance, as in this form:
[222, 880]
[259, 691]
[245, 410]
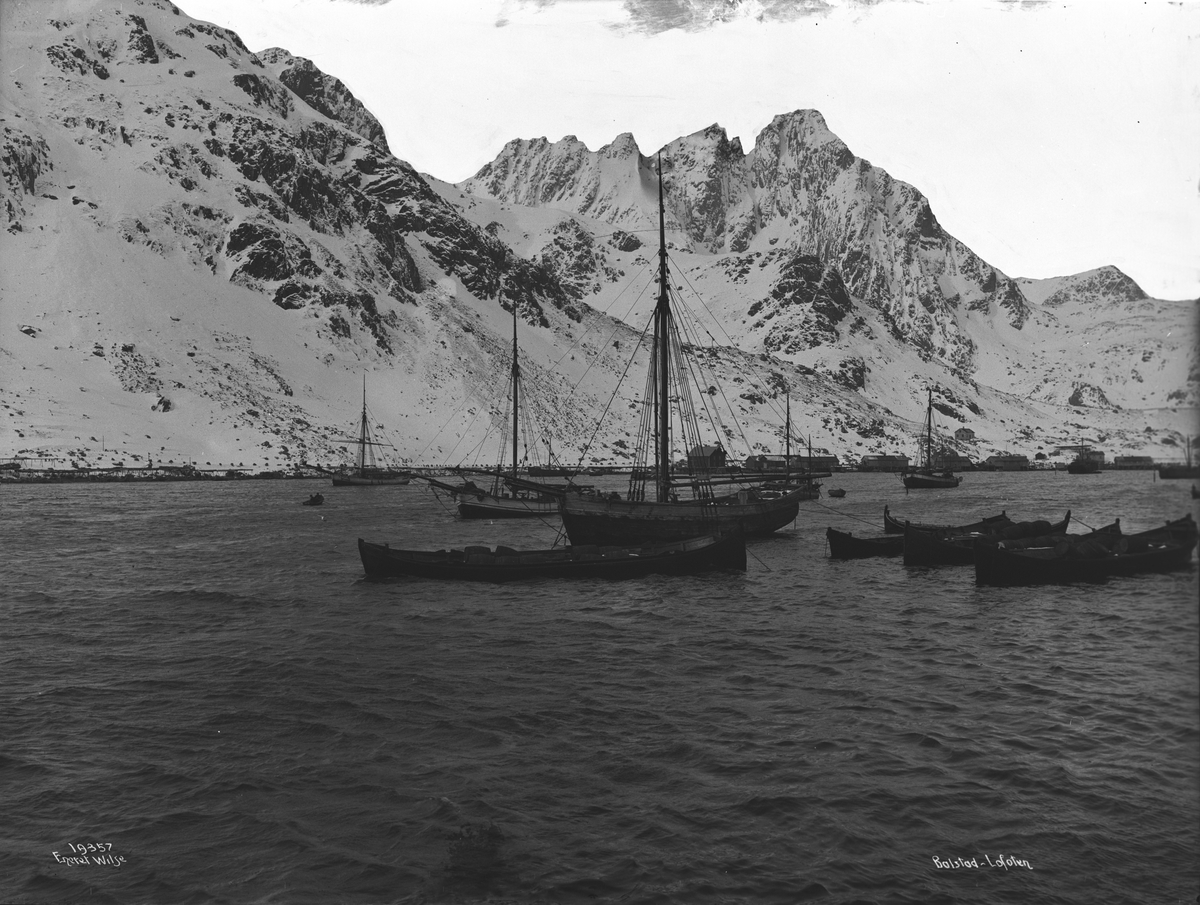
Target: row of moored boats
[1008, 552]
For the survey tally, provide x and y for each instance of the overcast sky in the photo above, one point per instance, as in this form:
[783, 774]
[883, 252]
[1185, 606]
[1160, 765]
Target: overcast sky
[1050, 137]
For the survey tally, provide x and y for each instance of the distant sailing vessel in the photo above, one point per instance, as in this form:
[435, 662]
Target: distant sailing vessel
[1084, 462]
[666, 516]
[925, 476]
[1188, 471]
[508, 495]
[366, 471]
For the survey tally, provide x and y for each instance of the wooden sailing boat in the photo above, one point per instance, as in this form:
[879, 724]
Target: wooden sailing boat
[508, 496]
[1083, 463]
[366, 471]
[924, 476]
[1181, 471]
[665, 517]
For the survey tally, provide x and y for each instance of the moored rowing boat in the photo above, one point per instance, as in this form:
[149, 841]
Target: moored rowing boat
[687, 557]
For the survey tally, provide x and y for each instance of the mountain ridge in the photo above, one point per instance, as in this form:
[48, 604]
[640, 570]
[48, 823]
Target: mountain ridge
[206, 254]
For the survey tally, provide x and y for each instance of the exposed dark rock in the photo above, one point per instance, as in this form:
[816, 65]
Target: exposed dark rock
[141, 45]
[325, 94]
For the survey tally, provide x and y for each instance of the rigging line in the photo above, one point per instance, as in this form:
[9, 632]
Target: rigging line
[604, 312]
[465, 401]
[728, 339]
[697, 328]
[475, 451]
[620, 380]
[729, 407]
[759, 561]
[623, 322]
[714, 413]
[846, 515]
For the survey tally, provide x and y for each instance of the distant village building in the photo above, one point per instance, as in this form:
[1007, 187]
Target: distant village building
[1007, 462]
[798, 462]
[964, 434]
[883, 463]
[951, 459]
[1133, 462]
[707, 457]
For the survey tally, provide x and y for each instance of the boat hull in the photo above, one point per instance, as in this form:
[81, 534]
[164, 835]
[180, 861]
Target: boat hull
[608, 521]
[490, 507]
[370, 480]
[1089, 558]
[937, 548]
[696, 555]
[930, 481]
[844, 545]
[893, 525]
[1179, 472]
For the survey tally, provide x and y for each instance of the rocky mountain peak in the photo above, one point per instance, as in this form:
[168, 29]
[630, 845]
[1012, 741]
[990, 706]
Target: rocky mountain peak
[324, 93]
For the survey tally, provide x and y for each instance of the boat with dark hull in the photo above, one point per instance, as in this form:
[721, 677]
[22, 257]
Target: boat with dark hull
[523, 501]
[928, 475]
[845, 545]
[688, 557]
[1185, 471]
[1084, 462]
[940, 548]
[1089, 558]
[655, 508]
[366, 472]
[508, 496]
[591, 520]
[893, 525]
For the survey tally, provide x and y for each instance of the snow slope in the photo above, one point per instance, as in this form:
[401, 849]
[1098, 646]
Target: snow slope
[207, 250]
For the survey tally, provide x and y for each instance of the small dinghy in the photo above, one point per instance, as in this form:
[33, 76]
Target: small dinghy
[315, 500]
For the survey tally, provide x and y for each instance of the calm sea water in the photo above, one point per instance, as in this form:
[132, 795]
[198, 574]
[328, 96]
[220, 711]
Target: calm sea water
[196, 680]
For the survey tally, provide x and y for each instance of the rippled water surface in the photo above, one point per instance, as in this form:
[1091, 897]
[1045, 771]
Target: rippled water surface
[196, 678]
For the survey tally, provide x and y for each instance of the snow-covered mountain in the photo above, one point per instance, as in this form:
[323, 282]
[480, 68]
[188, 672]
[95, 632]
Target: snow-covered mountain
[206, 251]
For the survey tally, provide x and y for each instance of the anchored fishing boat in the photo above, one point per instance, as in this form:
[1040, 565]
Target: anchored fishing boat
[942, 548]
[508, 495]
[656, 507]
[1089, 558]
[845, 545]
[893, 525]
[366, 471]
[927, 475]
[688, 557]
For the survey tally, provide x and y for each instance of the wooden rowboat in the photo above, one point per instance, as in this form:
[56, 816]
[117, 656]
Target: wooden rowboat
[844, 545]
[893, 525]
[947, 548]
[1089, 558]
[687, 557]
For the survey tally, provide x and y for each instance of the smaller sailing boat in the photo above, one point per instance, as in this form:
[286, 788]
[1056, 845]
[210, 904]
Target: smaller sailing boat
[509, 495]
[1084, 462]
[803, 481]
[366, 471]
[925, 476]
[1181, 471]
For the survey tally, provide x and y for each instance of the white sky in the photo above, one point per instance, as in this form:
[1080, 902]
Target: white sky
[1050, 137]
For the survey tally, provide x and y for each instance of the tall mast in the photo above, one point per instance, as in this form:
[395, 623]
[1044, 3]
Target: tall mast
[929, 432]
[363, 431]
[516, 376]
[662, 326]
[787, 427]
